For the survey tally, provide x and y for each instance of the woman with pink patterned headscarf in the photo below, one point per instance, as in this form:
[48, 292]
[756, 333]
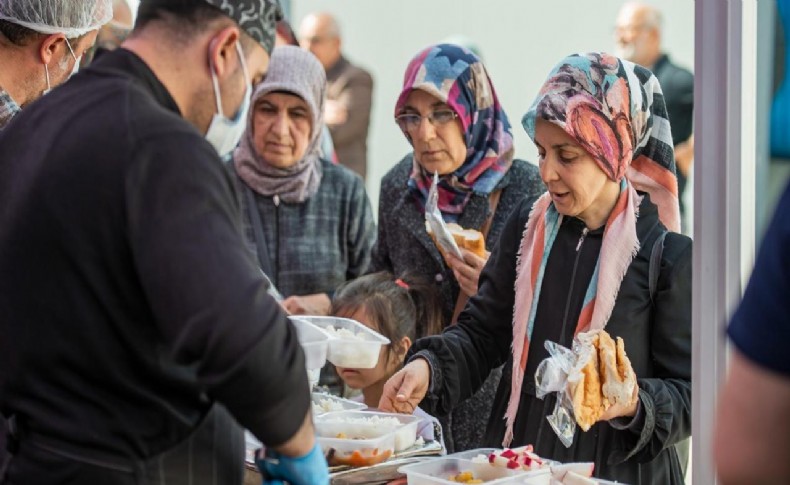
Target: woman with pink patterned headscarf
[597, 251]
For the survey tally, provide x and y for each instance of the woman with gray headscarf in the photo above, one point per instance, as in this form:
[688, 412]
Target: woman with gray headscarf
[310, 221]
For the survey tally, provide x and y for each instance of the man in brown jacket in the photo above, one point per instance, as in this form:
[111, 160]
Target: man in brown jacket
[349, 91]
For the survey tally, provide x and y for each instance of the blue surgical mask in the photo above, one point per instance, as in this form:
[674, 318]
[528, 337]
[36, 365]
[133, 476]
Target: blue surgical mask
[224, 133]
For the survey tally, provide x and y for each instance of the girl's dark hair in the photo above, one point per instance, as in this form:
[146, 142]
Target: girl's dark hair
[401, 307]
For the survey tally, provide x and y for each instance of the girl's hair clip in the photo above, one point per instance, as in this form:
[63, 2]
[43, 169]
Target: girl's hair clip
[402, 284]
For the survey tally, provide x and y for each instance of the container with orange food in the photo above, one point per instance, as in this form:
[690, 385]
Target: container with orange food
[346, 450]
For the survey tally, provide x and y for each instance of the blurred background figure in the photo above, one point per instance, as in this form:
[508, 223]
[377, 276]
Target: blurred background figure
[41, 42]
[113, 33]
[638, 39]
[284, 35]
[349, 91]
[752, 432]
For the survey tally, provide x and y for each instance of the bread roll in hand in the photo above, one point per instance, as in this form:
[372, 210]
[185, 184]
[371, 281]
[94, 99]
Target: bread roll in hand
[602, 377]
[469, 239]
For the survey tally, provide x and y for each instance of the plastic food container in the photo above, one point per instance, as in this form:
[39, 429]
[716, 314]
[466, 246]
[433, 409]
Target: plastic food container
[367, 424]
[356, 452]
[441, 470]
[327, 403]
[535, 477]
[314, 341]
[471, 454]
[477, 466]
[360, 352]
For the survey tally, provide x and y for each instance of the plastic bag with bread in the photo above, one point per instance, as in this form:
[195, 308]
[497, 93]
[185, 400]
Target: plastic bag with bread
[601, 377]
[470, 239]
[588, 380]
[449, 237]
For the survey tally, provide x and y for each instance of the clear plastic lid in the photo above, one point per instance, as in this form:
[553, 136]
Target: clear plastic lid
[314, 342]
[351, 344]
[327, 403]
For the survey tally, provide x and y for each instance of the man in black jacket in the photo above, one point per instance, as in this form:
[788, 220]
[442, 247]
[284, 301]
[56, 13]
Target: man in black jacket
[136, 328]
[638, 38]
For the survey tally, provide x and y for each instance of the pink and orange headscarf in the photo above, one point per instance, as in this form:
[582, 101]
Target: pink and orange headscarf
[615, 110]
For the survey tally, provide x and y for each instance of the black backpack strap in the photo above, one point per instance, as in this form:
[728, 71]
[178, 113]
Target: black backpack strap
[654, 269]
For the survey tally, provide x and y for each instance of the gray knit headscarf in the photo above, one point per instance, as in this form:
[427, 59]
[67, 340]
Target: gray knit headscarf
[296, 71]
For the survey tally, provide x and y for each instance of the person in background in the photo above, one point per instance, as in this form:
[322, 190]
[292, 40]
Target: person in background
[638, 39]
[349, 91]
[41, 42]
[752, 432]
[286, 36]
[457, 128]
[113, 33]
[595, 252]
[395, 308]
[309, 221]
[137, 333]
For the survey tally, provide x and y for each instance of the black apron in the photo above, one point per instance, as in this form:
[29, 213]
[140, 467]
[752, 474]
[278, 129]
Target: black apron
[212, 454]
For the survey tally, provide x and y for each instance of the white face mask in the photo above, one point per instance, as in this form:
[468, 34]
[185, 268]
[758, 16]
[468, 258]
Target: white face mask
[224, 133]
[73, 69]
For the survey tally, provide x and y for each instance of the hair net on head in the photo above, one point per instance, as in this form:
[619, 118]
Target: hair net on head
[71, 18]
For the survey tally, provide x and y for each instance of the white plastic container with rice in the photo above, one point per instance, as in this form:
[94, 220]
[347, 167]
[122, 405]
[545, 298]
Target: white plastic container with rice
[351, 344]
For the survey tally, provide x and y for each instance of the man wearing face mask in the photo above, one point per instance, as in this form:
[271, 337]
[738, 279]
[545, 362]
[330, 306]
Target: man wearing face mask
[136, 326]
[41, 42]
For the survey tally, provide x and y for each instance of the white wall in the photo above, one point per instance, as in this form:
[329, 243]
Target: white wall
[520, 40]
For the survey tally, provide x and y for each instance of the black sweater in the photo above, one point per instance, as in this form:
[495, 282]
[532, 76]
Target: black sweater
[657, 338]
[129, 302]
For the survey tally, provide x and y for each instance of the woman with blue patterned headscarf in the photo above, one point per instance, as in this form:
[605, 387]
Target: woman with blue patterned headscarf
[449, 112]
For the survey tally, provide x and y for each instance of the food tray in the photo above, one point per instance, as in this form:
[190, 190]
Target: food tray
[405, 433]
[343, 404]
[314, 342]
[347, 352]
[381, 473]
[439, 471]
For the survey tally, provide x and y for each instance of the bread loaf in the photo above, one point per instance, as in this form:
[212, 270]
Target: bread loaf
[602, 377]
[469, 239]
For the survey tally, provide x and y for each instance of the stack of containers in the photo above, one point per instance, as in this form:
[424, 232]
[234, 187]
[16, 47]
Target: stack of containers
[364, 438]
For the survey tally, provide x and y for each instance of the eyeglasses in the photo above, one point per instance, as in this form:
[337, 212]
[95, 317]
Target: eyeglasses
[411, 121]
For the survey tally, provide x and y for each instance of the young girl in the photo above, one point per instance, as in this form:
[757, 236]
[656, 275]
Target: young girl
[395, 308]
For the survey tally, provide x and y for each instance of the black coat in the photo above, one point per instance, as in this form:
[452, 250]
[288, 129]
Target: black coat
[657, 339]
[403, 245]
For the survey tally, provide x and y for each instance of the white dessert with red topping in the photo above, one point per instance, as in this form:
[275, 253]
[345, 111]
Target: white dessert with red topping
[523, 458]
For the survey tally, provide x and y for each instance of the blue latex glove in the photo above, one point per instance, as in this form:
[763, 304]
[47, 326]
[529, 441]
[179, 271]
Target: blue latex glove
[310, 469]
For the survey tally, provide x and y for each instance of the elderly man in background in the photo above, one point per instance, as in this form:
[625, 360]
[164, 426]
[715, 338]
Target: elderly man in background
[41, 42]
[349, 91]
[638, 38]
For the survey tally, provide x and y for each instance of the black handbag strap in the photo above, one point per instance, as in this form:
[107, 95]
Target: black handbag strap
[257, 229]
[654, 269]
